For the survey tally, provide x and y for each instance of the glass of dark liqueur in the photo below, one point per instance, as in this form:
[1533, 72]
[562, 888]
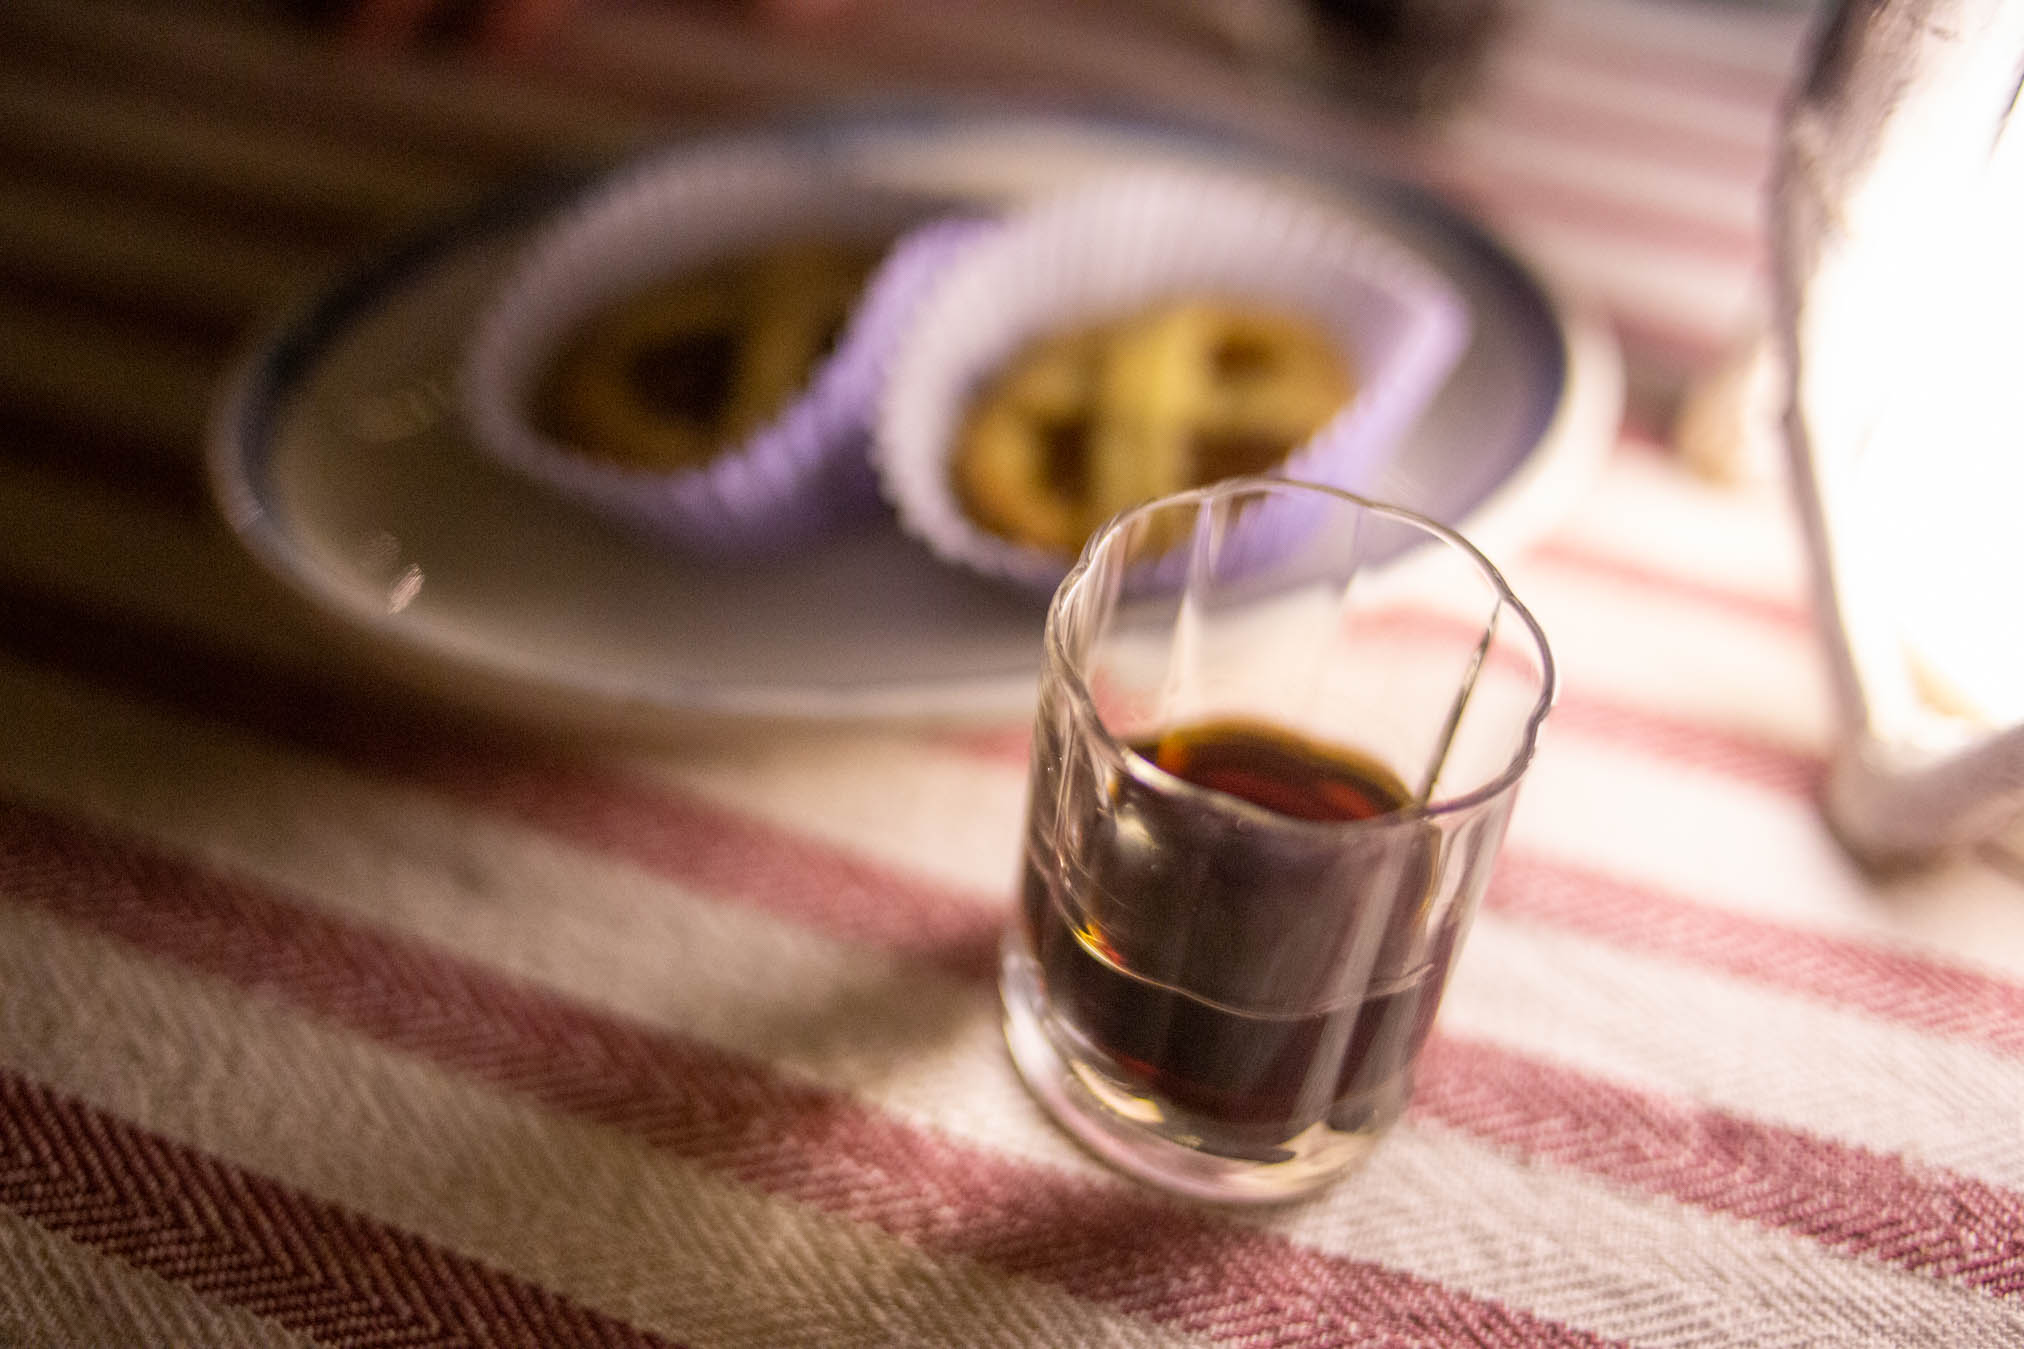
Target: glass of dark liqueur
[1280, 732]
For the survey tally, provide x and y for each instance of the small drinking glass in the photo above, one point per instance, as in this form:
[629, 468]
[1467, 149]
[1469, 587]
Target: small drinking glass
[1280, 732]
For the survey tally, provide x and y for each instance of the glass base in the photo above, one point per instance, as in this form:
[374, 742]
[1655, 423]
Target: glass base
[1136, 1132]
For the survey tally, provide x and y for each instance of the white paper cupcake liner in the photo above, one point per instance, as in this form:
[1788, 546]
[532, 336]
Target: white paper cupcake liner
[806, 471]
[1123, 244]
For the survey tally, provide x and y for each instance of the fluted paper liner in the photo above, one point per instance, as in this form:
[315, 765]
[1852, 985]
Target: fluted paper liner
[1126, 243]
[804, 472]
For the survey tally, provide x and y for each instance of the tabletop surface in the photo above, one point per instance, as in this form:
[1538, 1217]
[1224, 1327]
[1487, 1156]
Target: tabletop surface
[335, 1012]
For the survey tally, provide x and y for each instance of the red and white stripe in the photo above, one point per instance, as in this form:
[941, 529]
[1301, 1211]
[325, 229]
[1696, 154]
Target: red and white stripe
[192, 934]
[625, 1229]
[234, 1236]
[166, 912]
[925, 1109]
[1627, 147]
[767, 1130]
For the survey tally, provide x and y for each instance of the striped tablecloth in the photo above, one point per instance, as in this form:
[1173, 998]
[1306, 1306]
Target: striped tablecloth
[331, 1015]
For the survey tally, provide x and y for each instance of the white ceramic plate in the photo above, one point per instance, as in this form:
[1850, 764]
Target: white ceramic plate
[338, 459]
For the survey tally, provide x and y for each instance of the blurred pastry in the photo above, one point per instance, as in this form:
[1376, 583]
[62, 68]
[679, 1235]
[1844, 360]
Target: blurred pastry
[667, 377]
[695, 344]
[1142, 333]
[1083, 424]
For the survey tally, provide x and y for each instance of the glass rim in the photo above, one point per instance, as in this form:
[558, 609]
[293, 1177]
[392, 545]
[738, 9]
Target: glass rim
[1142, 768]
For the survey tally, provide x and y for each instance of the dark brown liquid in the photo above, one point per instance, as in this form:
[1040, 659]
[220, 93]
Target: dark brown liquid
[1203, 961]
[1280, 772]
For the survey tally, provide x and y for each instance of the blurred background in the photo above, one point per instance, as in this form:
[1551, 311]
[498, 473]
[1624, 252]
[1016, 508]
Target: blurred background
[172, 175]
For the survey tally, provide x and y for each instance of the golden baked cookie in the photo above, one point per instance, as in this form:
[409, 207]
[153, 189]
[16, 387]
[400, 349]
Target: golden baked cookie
[667, 377]
[1082, 425]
